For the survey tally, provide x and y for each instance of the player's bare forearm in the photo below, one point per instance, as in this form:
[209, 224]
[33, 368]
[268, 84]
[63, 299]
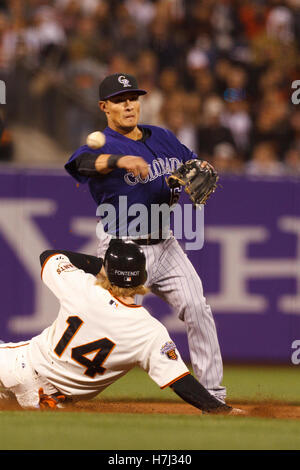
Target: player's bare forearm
[91, 165]
[137, 165]
[101, 164]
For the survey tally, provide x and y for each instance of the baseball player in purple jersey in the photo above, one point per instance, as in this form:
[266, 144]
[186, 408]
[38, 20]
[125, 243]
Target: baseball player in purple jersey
[134, 162]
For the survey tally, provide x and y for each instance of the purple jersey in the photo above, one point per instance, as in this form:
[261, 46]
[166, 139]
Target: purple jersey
[159, 148]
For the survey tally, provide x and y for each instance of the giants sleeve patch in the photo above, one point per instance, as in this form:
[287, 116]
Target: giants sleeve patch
[65, 267]
[169, 350]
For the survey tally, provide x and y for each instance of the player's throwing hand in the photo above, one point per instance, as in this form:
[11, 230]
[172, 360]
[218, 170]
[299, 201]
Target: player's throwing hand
[136, 165]
[105, 163]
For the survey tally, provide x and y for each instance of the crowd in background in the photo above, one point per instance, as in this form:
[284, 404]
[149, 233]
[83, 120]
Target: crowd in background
[218, 72]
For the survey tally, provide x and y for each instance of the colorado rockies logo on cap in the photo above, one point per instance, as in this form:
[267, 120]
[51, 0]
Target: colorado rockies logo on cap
[118, 83]
[124, 81]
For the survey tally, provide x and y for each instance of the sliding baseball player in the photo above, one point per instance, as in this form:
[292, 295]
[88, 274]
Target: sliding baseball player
[98, 336]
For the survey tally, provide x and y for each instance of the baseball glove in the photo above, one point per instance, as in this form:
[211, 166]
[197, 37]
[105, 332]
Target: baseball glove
[199, 182]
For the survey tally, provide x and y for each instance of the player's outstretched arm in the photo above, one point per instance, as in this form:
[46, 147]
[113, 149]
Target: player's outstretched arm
[91, 165]
[191, 391]
[88, 263]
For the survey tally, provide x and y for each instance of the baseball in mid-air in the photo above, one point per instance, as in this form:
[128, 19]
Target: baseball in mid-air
[96, 140]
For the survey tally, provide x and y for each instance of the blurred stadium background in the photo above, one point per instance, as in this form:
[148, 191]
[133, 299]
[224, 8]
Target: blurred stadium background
[219, 75]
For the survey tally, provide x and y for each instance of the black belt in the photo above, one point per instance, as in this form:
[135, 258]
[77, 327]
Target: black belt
[142, 241]
[148, 241]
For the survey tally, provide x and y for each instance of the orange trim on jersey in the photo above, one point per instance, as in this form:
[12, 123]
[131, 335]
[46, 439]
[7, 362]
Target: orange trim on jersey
[124, 303]
[175, 380]
[13, 347]
[44, 263]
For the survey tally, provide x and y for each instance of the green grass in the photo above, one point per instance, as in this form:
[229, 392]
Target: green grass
[259, 383]
[70, 431]
[34, 430]
[255, 383]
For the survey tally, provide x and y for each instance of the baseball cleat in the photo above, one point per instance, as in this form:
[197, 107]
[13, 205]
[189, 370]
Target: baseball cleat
[237, 412]
[223, 411]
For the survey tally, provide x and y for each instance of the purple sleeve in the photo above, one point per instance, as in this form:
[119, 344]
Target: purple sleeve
[84, 153]
[71, 166]
[182, 150]
[188, 154]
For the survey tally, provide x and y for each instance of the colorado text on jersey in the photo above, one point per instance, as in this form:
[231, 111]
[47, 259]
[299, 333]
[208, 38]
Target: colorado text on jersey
[157, 168]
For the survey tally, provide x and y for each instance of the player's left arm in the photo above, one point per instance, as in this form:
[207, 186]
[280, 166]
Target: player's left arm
[88, 263]
[166, 367]
[64, 278]
[190, 155]
[191, 391]
[184, 153]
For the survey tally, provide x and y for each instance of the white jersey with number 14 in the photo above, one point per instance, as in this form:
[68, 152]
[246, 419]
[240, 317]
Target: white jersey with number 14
[96, 338]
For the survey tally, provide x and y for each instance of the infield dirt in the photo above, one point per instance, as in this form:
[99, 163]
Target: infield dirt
[277, 410]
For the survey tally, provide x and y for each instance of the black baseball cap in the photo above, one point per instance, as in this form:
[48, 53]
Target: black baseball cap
[118, 83]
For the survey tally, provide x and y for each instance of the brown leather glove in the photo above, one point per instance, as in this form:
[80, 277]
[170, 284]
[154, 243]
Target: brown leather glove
[199, 181]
